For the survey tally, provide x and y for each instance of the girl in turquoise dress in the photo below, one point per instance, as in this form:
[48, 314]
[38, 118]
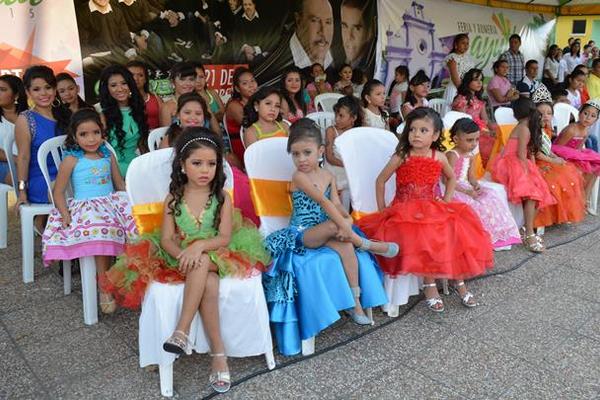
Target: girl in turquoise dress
[320, 265]
[123, 114]
[201, 238]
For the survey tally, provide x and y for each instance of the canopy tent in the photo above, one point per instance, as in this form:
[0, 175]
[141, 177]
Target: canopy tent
[558, 7]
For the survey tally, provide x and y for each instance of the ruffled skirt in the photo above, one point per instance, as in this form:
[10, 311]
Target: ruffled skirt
[436, 239]
[145, 261]
[566, 185]
[99, 227]
[522, 184]
[306, 288]
[586, 160]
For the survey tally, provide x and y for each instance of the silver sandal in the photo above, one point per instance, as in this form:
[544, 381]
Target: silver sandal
[466, 298]
[434, 302]
[178, 343]
[220, 381]
[391, 252]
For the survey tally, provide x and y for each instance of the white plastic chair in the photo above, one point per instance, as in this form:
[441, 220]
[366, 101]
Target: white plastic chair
[562, 115]
[324, 119]
[6, 144]
[505, 116]
[452, 116]
[244, 317]
[365, 151]
[87, 264]
[400, 128]
[438, 105]
[155, 137]
[326, 101]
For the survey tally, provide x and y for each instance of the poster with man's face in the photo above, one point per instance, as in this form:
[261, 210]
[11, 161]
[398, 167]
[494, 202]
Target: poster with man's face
[266, 35]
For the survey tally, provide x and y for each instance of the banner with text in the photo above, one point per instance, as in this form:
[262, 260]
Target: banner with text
[419, 34]
[266, 35]
[39, 32]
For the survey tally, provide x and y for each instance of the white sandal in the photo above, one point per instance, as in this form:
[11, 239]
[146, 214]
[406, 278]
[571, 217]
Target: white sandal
[220, 381]
[467, 297]
[434, 302]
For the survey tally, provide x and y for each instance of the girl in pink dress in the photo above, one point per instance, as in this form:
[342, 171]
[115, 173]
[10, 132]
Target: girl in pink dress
[570, 146]
[515, 168]
[469, 100]
[491, 208]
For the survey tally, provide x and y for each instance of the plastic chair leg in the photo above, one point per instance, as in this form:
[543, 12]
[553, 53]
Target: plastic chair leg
[165, 371]
[27, 241]
[270, 358]
[3, 219]
[308, 346]
[88, 290]
[66, 264]
[445, 287]
[393, 310]
[594, 196]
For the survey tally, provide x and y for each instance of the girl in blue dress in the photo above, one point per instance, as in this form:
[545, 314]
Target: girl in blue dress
[307, 286]
[46, 119]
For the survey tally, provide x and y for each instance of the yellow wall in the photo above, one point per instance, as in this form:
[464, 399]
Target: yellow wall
[564, 25]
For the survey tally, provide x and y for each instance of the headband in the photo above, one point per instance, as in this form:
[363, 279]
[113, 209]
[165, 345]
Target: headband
[199, 139]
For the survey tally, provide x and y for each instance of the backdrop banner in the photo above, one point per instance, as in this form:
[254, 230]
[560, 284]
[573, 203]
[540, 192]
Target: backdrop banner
[419, 34]
[39, 32]
[266, 35]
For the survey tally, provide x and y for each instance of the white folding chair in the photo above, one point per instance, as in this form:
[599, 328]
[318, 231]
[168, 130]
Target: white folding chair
[505, 116]
[324, 119]
[6, 144]
[155, 137]
[562, 115]
[244, 317]
[438, 105]
[365, 151]
[326, 101]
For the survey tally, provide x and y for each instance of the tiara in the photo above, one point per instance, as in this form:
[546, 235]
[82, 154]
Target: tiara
[541, 95]
[594, 103]
[198, 139]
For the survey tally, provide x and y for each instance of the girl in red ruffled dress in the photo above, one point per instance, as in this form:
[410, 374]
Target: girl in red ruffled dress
[515, 168]
[438, 238]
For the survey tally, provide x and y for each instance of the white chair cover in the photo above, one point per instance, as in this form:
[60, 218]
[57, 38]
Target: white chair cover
[244, 317]
[562, 115]
[278, 166]
[452, 116]
[155, 137]
[326, 101]
[505, 116]
[365, 151]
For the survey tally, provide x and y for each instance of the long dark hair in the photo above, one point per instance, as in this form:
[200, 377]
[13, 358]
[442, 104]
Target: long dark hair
[60, 113]
[575, 43]
[351, 104]
[112, 112]
[190, 140]
[576, 73]
[144, 67]
[403, 148]
[463, 88]
[298, 97]
[463, 125]
[367, 90]
[237, 75]
[419, 79]
[551, 49]
[16, 86]
[250, 113]
[63, 76]
[523, 107]
[78, 118]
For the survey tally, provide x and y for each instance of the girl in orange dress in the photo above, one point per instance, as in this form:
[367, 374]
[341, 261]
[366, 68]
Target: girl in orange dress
[438, 238]
[515, 168]
[564, 179]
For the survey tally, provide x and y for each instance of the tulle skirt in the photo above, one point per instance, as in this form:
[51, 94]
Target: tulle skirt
[436, 239]
[586, 160]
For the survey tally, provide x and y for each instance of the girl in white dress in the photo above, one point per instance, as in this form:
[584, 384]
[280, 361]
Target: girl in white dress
[458, 63]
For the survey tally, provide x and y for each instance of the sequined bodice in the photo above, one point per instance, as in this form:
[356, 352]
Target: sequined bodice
[575, 142]
[417, 178]
[307, 212]
[190, 228]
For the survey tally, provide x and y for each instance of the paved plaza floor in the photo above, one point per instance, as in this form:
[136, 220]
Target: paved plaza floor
[536, 335]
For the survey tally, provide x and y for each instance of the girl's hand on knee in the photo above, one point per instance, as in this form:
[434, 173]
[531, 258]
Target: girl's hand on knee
[66, 220]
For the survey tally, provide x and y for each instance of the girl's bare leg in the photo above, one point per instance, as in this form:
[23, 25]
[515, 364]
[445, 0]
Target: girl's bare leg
[350, 263]
[529, 212]
[319, 235]
[195, 283]
[209, 311]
